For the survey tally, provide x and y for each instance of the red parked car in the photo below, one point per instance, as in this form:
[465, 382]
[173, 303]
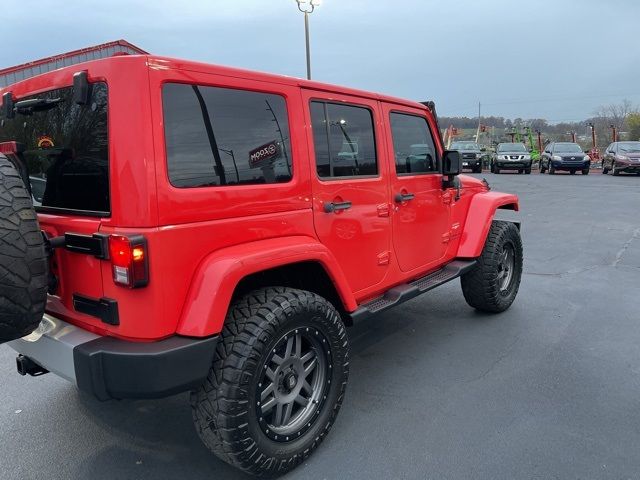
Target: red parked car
[214, 230]
[622, 157]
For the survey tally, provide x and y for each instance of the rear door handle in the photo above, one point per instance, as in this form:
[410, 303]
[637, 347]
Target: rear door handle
[404, 197]
[331, 207]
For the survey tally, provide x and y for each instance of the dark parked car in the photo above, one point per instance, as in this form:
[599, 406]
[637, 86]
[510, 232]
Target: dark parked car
[471, 155]
[622, 157]
[511, 156]
[566, 156]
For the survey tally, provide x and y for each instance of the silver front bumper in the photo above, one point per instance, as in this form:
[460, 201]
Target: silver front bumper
[51, 345]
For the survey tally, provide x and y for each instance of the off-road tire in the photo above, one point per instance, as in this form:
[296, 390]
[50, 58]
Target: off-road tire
[480, 285]
[224, 407]
[23, 262]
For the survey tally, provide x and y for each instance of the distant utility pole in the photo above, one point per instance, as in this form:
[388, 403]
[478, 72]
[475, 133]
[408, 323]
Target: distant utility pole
[614, 133]
[593, 135]
[478, 131]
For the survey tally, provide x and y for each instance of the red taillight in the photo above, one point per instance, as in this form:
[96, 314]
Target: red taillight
[129, 260]
[11, 148]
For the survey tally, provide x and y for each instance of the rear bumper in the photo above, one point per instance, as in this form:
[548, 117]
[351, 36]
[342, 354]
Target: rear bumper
[108, 368]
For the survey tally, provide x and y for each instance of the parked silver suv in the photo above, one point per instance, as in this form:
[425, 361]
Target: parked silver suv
[511, 156]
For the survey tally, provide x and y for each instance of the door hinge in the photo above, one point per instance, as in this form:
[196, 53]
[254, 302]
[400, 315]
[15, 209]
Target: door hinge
[383, 210]
[383, 258]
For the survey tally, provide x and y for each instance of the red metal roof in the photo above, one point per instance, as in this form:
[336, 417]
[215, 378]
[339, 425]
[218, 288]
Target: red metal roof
[20, 72]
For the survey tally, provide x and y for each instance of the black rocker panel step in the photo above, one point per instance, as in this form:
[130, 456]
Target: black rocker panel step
[406, 291]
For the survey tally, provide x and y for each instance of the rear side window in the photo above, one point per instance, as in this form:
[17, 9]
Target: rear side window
[221, 136]
[344, 140]
[66, 149]
[413, 145]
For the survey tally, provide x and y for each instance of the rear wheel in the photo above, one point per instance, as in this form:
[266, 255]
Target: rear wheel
[277, 382]
[493, 283]
[23, 262]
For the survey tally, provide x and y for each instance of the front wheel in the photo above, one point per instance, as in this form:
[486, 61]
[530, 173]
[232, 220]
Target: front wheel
[277, 381]
[493, 283]
[585, 171]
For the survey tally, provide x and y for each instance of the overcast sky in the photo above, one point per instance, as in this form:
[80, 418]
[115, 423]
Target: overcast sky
[554, 59]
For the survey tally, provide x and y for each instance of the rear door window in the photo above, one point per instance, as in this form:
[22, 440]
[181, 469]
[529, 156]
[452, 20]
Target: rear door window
[66, 149]
[344, 140]
[221, 136]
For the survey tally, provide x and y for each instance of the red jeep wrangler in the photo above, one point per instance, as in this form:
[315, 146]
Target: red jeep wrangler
[213, 230]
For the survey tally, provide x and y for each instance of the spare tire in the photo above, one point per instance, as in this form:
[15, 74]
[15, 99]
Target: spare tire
[23, 260]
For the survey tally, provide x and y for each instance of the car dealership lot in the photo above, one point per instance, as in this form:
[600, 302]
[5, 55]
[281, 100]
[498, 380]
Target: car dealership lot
[548, 389]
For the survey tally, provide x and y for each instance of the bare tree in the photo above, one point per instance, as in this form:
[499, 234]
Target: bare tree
[616, 113]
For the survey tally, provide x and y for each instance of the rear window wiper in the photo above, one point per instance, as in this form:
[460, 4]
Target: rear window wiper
[27, 107]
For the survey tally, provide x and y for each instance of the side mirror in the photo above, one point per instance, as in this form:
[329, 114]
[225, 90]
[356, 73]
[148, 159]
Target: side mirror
[451, 164]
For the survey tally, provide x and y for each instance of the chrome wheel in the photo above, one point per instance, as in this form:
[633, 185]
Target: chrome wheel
[294, 383]
[506, 266]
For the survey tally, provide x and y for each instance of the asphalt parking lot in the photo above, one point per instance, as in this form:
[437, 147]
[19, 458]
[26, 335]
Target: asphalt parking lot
[548, 389]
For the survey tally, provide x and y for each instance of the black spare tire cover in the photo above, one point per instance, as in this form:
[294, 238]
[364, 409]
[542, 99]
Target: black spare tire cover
[23, 261]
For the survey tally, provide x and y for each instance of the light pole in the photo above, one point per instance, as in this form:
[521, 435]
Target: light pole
[307, 7]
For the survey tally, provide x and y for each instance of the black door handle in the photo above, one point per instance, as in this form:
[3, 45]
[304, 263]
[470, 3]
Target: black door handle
[404, 197]
[330, 207]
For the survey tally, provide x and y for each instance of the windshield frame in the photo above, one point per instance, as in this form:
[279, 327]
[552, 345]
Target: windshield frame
[467, 146]
[567, 144]
[508, 147]
[636, 149]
